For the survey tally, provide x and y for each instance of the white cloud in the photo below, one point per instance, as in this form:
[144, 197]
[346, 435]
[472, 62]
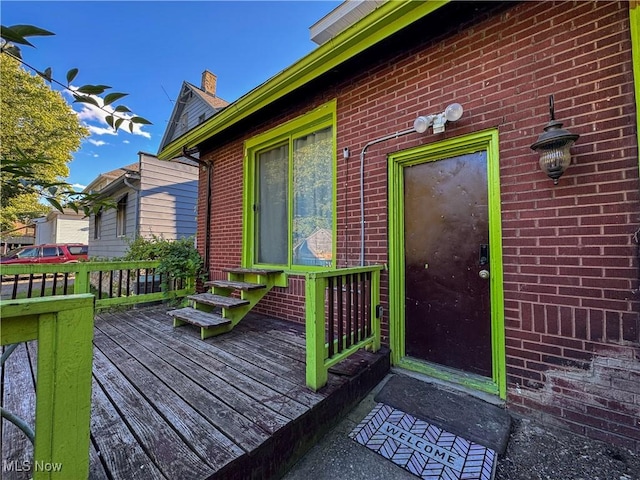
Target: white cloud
[97, 143]
[95, 155]
[101, 130]
[78, 186]
[126, 141]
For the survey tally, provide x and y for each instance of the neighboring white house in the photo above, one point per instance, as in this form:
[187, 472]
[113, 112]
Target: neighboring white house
[62, 227]
[153, 197]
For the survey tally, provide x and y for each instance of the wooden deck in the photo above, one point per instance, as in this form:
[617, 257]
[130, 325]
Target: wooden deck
[167, 404]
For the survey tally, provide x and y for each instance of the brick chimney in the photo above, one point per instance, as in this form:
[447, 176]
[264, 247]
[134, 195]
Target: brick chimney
[209, 81]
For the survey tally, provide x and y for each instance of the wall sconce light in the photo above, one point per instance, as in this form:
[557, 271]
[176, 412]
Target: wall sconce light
[553, 146]
[452, 113]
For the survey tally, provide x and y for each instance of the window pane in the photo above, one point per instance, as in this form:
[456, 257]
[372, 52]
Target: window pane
[312, 199]
[272, 226]
[49, 252]
[121, 217]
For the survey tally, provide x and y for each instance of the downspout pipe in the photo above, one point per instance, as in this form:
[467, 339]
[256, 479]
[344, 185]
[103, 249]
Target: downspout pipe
[207, 241]
[362, 155]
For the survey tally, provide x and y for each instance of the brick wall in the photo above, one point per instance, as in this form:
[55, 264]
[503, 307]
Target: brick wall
[570, 260]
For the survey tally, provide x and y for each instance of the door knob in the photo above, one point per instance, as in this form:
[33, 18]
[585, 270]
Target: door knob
[484, 274]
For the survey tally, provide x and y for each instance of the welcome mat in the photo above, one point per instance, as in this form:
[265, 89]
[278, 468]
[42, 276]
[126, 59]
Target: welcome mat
[421, 448]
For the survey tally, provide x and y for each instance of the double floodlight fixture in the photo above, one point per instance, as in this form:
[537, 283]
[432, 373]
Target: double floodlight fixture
[452, 113]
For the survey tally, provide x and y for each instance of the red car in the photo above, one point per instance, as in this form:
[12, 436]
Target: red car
[47, 253]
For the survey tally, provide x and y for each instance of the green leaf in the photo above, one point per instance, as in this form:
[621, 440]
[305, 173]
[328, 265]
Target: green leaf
[30, 31]
[86, 210]
[130, 127]
[112, 97]
[52, 190]
[109, 120]
[86, 99]
[141, 120]
[93, 89]
[122, 108]
[118, 123]
[73, 206]
[55, 204]
[10, 35]
[71, 74]
[47, 74]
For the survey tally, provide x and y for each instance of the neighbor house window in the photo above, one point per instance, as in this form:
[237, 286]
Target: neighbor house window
[121, 217]
[97, 225]
[290, 181]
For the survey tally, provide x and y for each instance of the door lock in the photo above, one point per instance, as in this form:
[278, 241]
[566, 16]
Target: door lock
[484, 274]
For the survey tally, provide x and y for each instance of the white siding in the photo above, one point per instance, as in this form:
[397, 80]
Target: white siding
[168, 196]
[72, 230]
[43, 232]
[63, 228]
[109, 245]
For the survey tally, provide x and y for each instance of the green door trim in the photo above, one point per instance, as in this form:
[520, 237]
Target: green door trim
[485, 140]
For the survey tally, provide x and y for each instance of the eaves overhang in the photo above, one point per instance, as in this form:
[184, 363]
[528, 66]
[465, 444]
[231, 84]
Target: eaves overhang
[389, 18]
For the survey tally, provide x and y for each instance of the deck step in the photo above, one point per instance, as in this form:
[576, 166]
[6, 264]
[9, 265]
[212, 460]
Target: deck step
[237, 285]
[254, 271]
[199, 318]
[218, 300]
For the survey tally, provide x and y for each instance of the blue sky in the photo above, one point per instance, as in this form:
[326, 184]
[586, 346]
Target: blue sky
[148, 48]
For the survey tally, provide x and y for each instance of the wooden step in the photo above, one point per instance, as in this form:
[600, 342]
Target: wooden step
[237, 285]
[218, 300]
[198, 318]
[254, 271]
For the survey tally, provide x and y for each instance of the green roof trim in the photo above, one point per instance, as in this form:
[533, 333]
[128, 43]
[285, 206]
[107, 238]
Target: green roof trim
[383, 22]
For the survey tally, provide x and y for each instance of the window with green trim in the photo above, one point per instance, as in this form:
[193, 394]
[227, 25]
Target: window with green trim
[290, 197]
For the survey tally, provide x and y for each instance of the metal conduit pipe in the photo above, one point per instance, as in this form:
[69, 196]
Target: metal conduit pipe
[362, 154]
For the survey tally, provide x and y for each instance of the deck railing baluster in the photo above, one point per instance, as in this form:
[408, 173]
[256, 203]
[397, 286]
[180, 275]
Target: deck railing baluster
[43, 285]
[65, 286]
[55, 281]
[128, 282]
[331, 325]
[120, 283]
[14, 293]
[100, 285]
[341, 345]
[340, 307]
[349, 339]
[29, 287]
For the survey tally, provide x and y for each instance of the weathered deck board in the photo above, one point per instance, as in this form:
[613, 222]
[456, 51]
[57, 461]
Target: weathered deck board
[18, 397]
[162, 443]
[271, 398]
[166, 404]
[240, 413]
[281, 384]
[118, 447]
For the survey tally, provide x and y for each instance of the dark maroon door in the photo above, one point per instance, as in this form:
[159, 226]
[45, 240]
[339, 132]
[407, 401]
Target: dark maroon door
[447, 304]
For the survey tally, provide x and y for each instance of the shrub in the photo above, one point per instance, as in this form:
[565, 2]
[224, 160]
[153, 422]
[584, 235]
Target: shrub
[179, 259]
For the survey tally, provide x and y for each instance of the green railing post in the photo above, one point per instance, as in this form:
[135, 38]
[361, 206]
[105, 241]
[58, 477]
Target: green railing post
[63, 327]
[375, 302]
[81, 284]
[316, 373]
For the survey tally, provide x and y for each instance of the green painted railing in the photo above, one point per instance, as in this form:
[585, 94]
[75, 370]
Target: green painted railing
[342, 316]
[63, 327]
[114, 283]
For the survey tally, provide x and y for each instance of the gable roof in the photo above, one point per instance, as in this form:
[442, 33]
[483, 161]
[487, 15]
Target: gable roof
[189, 93]
[387, 19]
[105, 179]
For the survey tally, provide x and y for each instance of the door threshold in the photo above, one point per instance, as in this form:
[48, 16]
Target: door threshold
[475, 385]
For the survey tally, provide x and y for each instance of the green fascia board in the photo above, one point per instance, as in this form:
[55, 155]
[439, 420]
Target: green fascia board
[634, 19]
[389, 18]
